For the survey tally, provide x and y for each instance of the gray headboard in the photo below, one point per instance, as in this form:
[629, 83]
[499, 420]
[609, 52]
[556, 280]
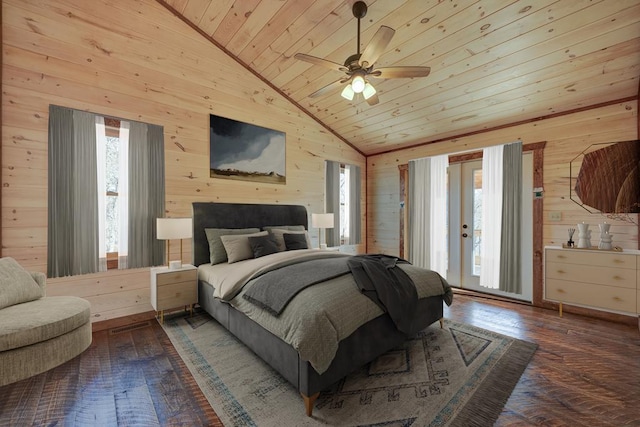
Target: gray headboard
[239, 215]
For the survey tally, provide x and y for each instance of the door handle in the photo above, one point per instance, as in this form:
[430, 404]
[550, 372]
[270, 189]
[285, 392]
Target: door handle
[465, 235]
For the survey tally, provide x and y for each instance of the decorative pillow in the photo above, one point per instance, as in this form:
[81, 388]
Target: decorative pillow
[217, 253]
[16, 284]
[279, 239]
[238, 247]
[284, 227]
[262, 245]
[295, 241]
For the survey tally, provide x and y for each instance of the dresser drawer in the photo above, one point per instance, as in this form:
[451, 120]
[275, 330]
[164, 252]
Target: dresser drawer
[607, 297]
[600, 259]
[176, 276]
[619, 277]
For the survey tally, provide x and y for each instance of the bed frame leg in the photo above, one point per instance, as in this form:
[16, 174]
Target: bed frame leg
[441, 322]
[309, 401]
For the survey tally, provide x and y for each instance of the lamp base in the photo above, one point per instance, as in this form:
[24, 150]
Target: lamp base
[175, 265]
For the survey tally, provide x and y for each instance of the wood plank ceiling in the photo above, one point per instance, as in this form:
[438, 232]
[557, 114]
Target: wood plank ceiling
[493, 62]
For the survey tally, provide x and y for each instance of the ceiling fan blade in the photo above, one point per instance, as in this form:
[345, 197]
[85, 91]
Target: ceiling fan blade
[400, 72]
[373, 99]
[329, 87]
[319, 61]
[376, 46]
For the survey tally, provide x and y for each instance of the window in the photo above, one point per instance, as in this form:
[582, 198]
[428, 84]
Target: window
[95, 164]
[112, 146]
[344, 204]
[343, 200]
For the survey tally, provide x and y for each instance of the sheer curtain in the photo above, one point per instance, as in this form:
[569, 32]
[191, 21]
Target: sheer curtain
[428, 213]
[500, 262]
[492, 172]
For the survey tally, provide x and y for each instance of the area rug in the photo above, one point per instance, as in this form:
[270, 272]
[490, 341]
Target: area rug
[459, 375]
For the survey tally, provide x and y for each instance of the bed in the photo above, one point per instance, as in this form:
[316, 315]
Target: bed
[360, 347]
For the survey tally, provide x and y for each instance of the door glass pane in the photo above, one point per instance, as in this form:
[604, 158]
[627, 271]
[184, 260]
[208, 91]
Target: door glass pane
[477, 220]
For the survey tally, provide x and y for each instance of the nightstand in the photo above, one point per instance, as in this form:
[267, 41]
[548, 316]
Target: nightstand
[173, 288]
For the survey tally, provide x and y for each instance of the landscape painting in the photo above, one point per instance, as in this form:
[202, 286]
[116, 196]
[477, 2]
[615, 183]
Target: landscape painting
[246, 152]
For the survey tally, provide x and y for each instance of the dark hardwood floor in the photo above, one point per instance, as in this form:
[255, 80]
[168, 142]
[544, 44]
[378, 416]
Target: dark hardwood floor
[586, 372]
[130, 375]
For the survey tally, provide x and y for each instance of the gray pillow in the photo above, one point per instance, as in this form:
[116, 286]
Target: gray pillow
[284, 227]
[217, 253]
[16, 284]
[295, 241]
[279, 239]
[262, 245]
[238, 247]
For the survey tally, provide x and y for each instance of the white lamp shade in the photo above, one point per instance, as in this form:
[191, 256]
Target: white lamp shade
[368, 91]
[174, 228]
[322, 220]
[348, 93]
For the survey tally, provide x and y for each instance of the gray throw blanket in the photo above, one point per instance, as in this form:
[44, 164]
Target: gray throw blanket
[273, 290]
[379, 278]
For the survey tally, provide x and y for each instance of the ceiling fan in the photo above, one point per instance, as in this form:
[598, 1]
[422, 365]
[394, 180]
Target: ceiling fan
[358, 67]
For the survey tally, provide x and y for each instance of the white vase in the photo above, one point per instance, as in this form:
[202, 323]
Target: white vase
[584, 234]
[605, 241]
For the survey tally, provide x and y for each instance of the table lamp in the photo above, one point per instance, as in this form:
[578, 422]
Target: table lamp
[322, 221]
[174, 228]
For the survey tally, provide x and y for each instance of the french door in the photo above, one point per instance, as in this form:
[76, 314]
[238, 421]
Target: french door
[465, 227]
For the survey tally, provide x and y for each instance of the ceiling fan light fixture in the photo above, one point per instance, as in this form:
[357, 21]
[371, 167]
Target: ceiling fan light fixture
[348, 93]
[358, 84]
[368, 91]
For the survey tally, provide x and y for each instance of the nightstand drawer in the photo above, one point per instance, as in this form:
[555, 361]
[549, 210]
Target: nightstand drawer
[620, 277]
[176, 294]
[608, 297]
[171, 277]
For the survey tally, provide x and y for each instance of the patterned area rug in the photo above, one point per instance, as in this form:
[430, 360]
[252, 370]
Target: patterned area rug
[459, 375]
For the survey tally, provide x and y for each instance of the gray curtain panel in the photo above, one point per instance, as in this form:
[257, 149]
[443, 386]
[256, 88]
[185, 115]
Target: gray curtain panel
[355, 232]
[511, 241]
[73, 198]
[146, 194]
[332, 201]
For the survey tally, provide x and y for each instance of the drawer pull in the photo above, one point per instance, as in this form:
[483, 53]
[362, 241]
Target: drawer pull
[618, 278]
[618, 261]
[561, 256]
[561, 272]
[617, 299]
[561, 291]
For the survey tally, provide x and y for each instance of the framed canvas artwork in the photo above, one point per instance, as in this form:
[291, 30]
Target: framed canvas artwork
[246, 152]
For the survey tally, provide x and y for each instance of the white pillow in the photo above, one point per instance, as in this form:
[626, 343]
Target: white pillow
[238, 247]
[279, 239]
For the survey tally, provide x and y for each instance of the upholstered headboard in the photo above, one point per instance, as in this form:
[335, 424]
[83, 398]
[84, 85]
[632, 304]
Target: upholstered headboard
[238, 215]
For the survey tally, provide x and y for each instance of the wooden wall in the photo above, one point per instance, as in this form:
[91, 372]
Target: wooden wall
[566, 136]
[134, 60]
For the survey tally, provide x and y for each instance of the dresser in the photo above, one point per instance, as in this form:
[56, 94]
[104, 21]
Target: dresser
[601, 280]
[173, 288]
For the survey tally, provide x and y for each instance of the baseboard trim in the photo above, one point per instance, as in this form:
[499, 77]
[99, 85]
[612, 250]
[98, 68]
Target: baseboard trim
[122, 321]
